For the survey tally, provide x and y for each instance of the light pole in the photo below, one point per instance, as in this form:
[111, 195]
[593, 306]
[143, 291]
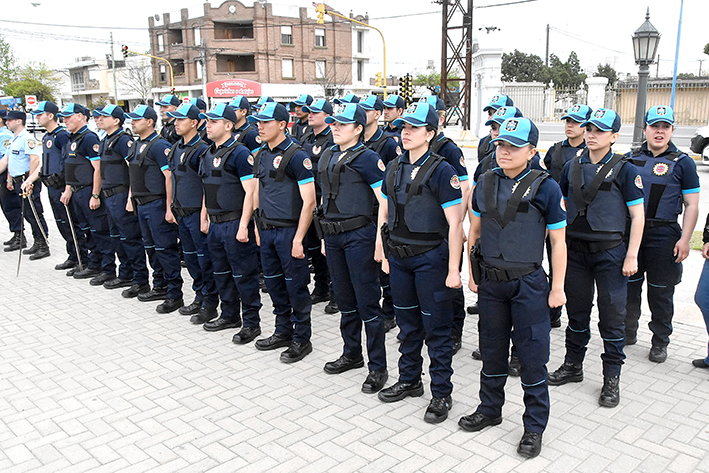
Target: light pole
[645, 41]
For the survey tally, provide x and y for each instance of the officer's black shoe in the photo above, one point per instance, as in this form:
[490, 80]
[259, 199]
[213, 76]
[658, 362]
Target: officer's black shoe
[700, 363]
[12, 240]
[274, 341]
[389, 324]
[15, 245]
[135, 290]
[42, 252]
[473, 309]
[332, 307]
[320, 295]
[71, 272]
[101, 278]
[87, 273]
[169, 305]
[531, 444]
[457, 344]
[400, 390]
[68, 264]
[222, 324]
[567, 373]
[438, 409]
[610, 392]
[203, 316]
[262, 283]
[343, 364]
[245, 335]
[32, 249]
[514, 367]
[658, 354]
[155, 294]
[630, 339]
[296, 352]
[375, 381]
[115, 283]
[191, 309]
[477, 421]
[477, 355]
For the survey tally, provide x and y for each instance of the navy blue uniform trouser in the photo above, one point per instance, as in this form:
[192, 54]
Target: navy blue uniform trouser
[11, 205]
[235, 271]
[656, 259]
[387, 302]
[321, 275]
[605, 269]
[102, 253]
[355, 282]
[62, 221]
[126, 225]
[198, 260]
[519, 310]
[29, 215]
[424, 311]
[287, 280]
[458, 309]
[160, 242]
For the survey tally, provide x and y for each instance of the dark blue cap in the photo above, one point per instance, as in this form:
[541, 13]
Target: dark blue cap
[220, 111]
[434, 101]
[15, 115]
[660, 113]
[73, 108]
[169, 100]
[349, 98]
[604, 119]
[111, 110]
[372, 102]
[96, 112]
[199, 103]
[186, 110]
[578, 113]
[46, 106]
[498, 101]
[303, 99]
[261, 101]
[142, 111]
[502, 114]
[518, 132]
[240, 103]
[418, 114]
[349, 113]
[394, 101]
[320, 105]
[3, 113]
[270, 111]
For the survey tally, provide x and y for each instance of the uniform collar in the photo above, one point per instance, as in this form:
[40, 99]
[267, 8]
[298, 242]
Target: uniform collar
[56, 130]
[586, 158]
[242, 127]
[404, 158]
[566, 144]
[518, 177]
[194, 140]
[115, 132]
[150, 137]
[391, 128]
[377, 134]
[325, 132]
[80, 131]
[357, 146]
[671, 148]
[226, 144]
[283, 145]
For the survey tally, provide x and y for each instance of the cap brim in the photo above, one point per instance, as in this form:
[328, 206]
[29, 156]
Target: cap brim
[133, 116]
[180, 115]
[411, 121]
[657, 120]
[37, 112]
[66, 114]
[575, 118]
[339, 119]
[491, 107]
[259, 118]
[494, 120]
[513, 140]
[205, 116]
[309, 109]
[601, 126]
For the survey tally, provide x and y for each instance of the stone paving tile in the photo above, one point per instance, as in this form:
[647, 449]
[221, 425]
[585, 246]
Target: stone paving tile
[94, 382]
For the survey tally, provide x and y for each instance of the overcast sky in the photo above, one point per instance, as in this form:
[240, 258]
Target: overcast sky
[599, 31]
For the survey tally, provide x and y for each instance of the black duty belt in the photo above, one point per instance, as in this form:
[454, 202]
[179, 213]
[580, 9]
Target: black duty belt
[505, 275]
[78, 188]
[113, 191]
[657, 223]
[20, 179]
[263, 225]
[225, 217]
[184, 211]
[333, 227]
[408, 251]
[591, 246]
[146, 199]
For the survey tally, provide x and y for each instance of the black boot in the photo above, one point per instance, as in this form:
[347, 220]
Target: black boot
[32, 249]
[610, 392]
[12, 240]
[42, 251]
[16, 245]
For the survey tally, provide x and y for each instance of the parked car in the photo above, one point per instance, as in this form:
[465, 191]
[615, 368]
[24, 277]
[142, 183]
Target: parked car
[32, 126]
[700, 143]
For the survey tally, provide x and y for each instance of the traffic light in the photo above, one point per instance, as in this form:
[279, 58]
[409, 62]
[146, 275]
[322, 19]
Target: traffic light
[378, 80]
[402, 88]
[320, 10]
[124, 50]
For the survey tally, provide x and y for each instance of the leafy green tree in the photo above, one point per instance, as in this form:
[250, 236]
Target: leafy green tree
[565, 74]
[34, 79]
[431, 79]
[7, 62]
[706, 49]
[608, 72]
[521, 67]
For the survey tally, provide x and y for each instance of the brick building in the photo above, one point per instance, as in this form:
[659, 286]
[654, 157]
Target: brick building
[234, 48]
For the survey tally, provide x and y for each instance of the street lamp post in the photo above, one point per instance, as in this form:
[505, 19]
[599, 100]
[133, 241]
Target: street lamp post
[645, 41]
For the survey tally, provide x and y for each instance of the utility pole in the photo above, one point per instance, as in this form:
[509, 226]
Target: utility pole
[700, 66]
[203, 65]
[657, 68]
[113, 66]
[546, 63]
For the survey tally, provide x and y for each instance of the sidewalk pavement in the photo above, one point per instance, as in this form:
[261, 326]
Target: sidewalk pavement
[94, 382]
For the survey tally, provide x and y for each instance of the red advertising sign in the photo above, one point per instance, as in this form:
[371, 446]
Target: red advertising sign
[233, 87]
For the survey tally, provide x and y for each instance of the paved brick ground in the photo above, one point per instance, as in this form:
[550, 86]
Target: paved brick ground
[93, 382]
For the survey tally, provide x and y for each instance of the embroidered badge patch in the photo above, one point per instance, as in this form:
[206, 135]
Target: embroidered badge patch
[638, 182]
[277, 161]
[73, 147]
[48, 144]
[307, 164]
[217, 161]
[660, 169]
[455, 182]
[381, 166]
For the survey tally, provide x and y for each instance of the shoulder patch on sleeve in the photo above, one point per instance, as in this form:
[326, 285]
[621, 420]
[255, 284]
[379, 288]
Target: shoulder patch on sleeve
[307, 164]
[380, 165]
[563, 204]
[398, 150]
[95, 148]
[250, 160]
[167, 151]
[462, 161]
[638, 182]
[542, 164]
[31, 143]
[455, 182]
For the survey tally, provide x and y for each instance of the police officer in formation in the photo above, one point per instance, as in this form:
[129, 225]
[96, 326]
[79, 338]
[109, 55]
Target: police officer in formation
[22, 162]
[10, 203]
[393, 108]
[244, 132]
[184, 162]
[670, 183]
[486, 146]
[286, 200]
[351, 176]
[150, 191]
[202, 126]
[169, 103]
[300, 125]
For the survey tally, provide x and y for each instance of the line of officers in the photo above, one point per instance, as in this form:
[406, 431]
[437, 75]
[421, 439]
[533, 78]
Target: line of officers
[233, 184]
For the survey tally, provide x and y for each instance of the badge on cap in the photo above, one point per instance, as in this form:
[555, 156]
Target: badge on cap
[599, 113]
[576, 108]
[501, 111]
[95, 148]
[277, 161]
[661, 111]
[217, 161]
[660, 169]
[495, 98]
[48, 143]
[511, 125]
[73, 146]
[316, 149]
[380, 165]
[411, 109]
[455, 182]
[638, 182]
[307, 164]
